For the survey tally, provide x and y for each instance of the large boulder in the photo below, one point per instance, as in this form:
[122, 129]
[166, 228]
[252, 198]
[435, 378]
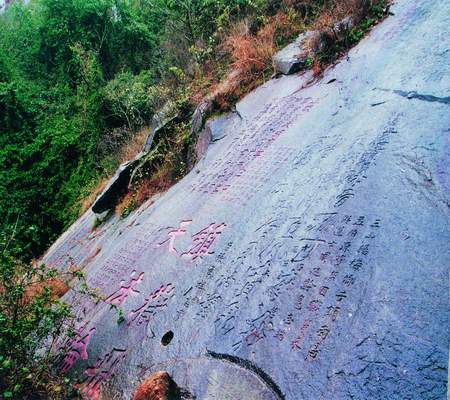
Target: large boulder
[305, 257]
[159, 121]
[294, 56]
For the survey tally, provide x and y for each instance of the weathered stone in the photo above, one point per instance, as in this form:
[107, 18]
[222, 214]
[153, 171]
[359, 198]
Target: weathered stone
[306, 256]
[294, 56]
[199, 116]
[4, 4]
[199, 135]
[344, 25]
[159, 121]
[322, 40]
[115, 189]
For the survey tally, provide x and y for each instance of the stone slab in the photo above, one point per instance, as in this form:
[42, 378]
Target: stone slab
[306, 256]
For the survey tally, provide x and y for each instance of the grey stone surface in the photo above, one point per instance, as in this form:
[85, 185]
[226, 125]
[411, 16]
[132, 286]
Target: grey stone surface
[306, 256]
[294, 56]
[115, 189]
[159, 121]
[345, 25]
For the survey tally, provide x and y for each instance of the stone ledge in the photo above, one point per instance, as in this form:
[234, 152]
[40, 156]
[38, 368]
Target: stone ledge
[294, 57]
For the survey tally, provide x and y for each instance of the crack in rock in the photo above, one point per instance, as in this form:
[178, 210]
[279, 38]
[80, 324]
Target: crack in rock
[423, 97]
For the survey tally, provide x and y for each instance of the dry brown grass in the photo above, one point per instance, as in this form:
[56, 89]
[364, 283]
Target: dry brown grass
[145, 189]
[249, 52]
[57, 287]
[158, 183]
[332, 29]
[336, 10]
[134, 146]
[204, 79]
[317, 68]
[248, 56]
[126, 203]
[87, 202]
[251, 56]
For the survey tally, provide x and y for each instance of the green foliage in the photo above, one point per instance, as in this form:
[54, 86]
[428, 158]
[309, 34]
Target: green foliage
[55, 60]
[198, 20]
[133, 99]
[31, 319]
[378, 11]
[114, 29]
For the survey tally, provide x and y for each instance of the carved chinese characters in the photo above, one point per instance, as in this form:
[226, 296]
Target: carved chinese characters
[201, 242]
[76, 348]
[101, 372]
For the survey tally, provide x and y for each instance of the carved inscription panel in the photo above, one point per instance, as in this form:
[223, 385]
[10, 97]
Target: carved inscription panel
[259, 261]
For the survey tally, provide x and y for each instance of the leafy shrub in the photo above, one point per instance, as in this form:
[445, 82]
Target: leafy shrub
[31, 319]
[133, 99]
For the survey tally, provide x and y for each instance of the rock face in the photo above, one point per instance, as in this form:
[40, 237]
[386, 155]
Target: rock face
[294, 56]
[305, 256]
[115, 189]
[4, 4]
